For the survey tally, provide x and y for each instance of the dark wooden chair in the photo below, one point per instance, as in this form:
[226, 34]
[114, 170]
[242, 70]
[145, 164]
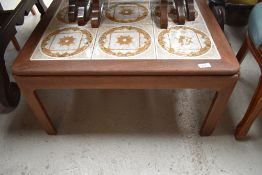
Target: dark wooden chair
[253, 42]
[14, 40]
[231, 12]
[9, 19]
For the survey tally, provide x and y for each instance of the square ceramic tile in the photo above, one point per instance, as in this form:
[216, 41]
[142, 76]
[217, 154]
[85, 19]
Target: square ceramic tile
[190, 41]
[125, 42]
[123, 13]
[65, 41]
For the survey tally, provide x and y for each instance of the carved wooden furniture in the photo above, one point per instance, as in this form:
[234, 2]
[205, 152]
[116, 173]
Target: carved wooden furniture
[83, 10]
[15, 43]
[9, 92]
[232, 12]
[183, 10]
[253, 42]
[14, 40]
[123, 57]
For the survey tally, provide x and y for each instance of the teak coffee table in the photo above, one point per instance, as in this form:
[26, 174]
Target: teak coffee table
[127, 51]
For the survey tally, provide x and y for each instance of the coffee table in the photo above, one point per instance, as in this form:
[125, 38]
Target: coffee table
[127, 51]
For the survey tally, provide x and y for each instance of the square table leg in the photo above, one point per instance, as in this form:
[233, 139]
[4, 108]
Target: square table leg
[38, 109]
[217, 108]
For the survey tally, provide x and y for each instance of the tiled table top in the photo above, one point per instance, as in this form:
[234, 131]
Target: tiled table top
[127, 31]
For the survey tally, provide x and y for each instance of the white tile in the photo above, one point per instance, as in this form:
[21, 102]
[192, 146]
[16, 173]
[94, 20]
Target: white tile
[116, 13]
[125, 42]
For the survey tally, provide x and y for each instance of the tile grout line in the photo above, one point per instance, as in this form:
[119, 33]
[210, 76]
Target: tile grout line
[94, 46]
[154, 33]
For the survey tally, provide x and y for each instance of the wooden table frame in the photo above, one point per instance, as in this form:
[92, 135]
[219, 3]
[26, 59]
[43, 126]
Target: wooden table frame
[133, 74]
[223, 85]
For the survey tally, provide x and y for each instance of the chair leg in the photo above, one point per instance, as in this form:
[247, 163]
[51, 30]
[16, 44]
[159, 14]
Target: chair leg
[242, 52]
[15, 43]
[9, 91]
[252, 113]
[41, 7]
[33, 11]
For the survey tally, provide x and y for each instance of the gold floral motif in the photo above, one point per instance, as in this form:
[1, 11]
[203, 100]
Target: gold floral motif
[85, 35]
[127, 12]
[142, 47]
[124, 40]
[184, 40]
[67, 41]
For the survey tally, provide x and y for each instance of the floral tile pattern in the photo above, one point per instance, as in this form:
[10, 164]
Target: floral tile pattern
[184, 41]
[66, 42]
[126, 12]
[127, 31]
[124, 41]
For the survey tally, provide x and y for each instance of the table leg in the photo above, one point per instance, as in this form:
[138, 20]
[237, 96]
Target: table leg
[217, 108]
[39, 110]
[163, 14]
